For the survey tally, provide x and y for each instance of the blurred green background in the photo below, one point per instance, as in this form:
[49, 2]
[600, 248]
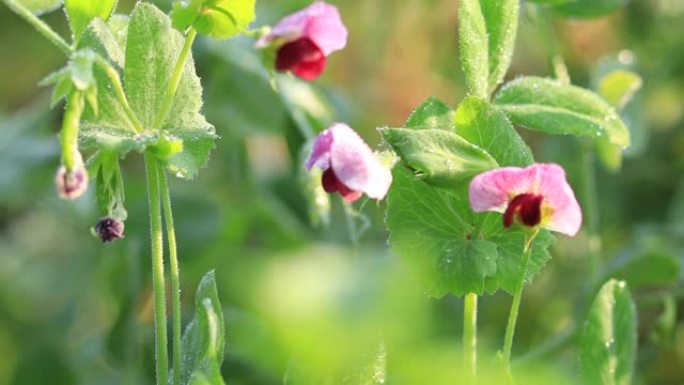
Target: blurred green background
[304, 303]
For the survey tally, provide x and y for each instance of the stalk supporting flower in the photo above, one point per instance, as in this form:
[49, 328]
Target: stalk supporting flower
[303, 40]
[538, 196]
[71, 179]
[349, 166]
[515, 306]
[153, 192]
[175, 274]
[470, 335]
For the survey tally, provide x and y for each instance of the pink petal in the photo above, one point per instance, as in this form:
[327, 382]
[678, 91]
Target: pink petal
[319, 22]
[493, 190]
[320, 153]
[566, 217]
[325, 27]
[355, 165]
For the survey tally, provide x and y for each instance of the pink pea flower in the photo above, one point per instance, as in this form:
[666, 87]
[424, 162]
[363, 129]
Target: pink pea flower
[305, 38]
[349, 166]
[538, 195]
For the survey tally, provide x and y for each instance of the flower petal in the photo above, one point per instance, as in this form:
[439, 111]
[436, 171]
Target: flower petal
[566, 216]
[355, 165]
[320, 153]
[325, 27]
[302, 57]
[492, 190]
[319, 22]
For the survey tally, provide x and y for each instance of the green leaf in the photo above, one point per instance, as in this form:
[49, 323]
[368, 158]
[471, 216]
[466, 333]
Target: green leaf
[220, 19]
[501, 20]
[118, 25]
[40, 7]
[553, 107]
[110, 117]
[509, 263]
[151, 49]
[619, 86]
[437, 156]
[449, 247]
[81, 12]
[608, 342]
[203, 340]
[474, 47]
[589, 8]
[486, 126]
[432, 113]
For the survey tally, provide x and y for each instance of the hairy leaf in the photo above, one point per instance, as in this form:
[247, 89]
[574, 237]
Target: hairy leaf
[204, 337]
[81, 12]
[487, 126]
[501, 20]
[608, 342]
[152, 47]
[432, 113]
[437, 156]
[474, 47]
[553, 107]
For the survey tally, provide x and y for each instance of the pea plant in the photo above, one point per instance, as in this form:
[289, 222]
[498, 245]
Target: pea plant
[469, 210]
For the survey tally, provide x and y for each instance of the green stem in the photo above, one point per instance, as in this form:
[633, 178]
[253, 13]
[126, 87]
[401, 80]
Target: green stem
[175, 274]
[175, 78]
[114, 77]
[69, 132]
[591, 219]
[515, 306]
[39, 25]
[162, 360]
[470, 335]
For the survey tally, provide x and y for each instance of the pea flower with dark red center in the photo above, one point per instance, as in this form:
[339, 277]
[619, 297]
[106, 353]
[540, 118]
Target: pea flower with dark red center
[538, 195]
[304, 39]
[349, 166]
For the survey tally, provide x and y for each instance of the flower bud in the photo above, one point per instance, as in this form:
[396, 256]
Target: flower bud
[109, 229]
[71, 184]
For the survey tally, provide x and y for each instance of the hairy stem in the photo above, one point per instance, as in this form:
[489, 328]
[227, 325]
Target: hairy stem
[39, 25]
[470, 335]
[162, 360]
[515, 306]
[69, 133]
[175, 78]
[114, 77]
[175, 274]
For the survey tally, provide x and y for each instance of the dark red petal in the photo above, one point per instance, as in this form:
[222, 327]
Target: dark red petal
[331, 185]
[303, 57]
[527, 207]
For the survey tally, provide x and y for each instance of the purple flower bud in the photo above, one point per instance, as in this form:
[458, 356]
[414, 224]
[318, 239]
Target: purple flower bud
[109, 229]
[71, 184]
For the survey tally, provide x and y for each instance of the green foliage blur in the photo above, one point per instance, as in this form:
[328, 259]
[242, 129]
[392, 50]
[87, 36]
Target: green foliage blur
[315, 298]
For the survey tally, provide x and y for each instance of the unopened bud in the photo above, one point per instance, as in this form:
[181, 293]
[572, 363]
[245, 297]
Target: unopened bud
[109, 229]
[71, 184]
